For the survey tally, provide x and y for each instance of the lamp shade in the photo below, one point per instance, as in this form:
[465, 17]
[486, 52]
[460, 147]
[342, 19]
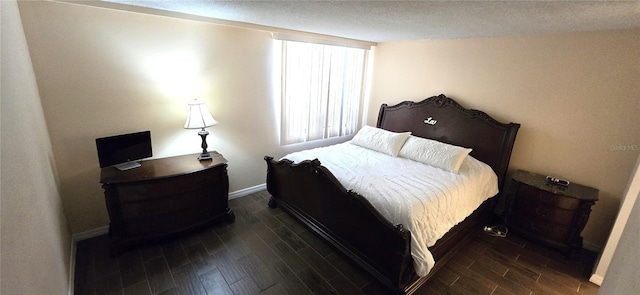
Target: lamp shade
[199, 116]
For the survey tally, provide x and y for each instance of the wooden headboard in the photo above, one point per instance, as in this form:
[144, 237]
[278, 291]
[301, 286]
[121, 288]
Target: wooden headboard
[441, 118]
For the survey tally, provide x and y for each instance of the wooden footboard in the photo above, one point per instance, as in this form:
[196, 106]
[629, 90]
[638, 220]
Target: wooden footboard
[345, 219]
[348, 221]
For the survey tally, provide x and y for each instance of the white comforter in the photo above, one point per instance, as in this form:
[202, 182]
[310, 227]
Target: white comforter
[426, 200]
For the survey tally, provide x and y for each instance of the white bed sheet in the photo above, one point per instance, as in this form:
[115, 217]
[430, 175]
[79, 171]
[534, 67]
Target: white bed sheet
[427, 201]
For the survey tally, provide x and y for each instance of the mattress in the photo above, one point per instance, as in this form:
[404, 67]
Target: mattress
[426, 200]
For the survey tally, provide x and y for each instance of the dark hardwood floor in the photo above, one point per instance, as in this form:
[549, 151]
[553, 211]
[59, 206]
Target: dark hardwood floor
[265, 251]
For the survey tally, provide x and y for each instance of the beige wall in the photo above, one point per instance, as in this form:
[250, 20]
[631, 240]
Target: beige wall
[104, 72]
[36, 242]
[627, 223]
[621, 274]
[577, 97]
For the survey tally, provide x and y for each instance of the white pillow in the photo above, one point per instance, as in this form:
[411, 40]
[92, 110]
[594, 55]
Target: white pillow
[434, 153]
[380, 140]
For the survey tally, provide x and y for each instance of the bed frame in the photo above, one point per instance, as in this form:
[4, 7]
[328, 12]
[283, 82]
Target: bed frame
[346, 220]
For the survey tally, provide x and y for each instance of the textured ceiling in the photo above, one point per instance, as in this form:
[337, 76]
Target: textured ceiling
[385, 21]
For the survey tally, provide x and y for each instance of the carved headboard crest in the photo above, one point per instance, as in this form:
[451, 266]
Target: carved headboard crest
[441, 100]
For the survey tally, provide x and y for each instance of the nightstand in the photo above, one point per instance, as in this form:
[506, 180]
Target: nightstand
[549, 213]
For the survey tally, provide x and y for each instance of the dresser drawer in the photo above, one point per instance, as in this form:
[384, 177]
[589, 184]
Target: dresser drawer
[532, 209]
[168, 223]
[529, 194]
[162, 188]
[173, 203]
[540, 228]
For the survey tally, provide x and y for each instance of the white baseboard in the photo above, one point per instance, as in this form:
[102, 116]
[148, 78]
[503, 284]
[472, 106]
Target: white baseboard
[596, 279]
[591, 247]
[246, 191]
[92, 233]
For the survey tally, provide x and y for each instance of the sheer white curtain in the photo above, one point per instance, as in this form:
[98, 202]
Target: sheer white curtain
[322, 89]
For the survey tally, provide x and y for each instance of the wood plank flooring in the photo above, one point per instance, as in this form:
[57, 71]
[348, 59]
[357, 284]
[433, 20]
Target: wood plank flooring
[265, 251]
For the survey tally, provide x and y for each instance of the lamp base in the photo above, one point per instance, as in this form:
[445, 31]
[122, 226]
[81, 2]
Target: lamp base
[204, 156]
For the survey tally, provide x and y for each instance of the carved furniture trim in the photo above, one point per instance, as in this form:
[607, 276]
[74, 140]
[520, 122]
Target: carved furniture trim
[165, 197]
[346, 220]
[549, 213]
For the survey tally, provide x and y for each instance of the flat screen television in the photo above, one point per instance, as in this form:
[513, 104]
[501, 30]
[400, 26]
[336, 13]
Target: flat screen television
[123, 151]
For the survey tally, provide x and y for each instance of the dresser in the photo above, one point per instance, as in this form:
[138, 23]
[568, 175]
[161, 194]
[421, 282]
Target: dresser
[549, 213]
[165, 197]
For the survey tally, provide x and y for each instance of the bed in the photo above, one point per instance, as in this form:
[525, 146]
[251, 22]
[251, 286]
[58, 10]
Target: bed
[310, 192]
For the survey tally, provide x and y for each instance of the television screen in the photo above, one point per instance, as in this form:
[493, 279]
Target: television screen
[124, 149]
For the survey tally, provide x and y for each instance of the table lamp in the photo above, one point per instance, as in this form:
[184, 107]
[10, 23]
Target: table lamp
[199, 117]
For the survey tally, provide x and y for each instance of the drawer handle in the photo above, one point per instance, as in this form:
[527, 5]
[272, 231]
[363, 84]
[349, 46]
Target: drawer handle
[537, 228]
[541, 213]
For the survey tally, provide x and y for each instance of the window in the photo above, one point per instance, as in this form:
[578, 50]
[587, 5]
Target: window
[322, 89]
